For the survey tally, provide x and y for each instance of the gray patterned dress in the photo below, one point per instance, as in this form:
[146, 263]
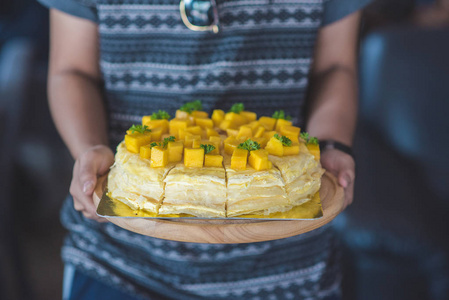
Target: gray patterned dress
[149, 61]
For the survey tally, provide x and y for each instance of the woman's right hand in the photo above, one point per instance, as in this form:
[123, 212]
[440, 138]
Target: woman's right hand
[91, 164]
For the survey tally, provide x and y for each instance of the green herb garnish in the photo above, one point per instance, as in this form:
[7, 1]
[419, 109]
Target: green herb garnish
[237, 108]
[249, 145]
[164, 143]
[309, 139]
[207, 148]
[280, 114]
[161, 114]
[139, 128]
[284, 140]
[191, 106]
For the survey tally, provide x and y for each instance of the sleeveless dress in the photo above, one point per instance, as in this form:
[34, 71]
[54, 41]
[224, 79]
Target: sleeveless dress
[150, 60]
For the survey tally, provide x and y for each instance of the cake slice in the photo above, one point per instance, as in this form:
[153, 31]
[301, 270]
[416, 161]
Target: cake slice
[196, 191]
[255, 192]
[132, 181]
[301, 174]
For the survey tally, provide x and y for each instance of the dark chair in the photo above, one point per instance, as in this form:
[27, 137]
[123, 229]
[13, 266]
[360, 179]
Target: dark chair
[396, 232]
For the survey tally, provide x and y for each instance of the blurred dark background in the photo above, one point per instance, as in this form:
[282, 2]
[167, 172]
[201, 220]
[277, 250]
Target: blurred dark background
[395, 236]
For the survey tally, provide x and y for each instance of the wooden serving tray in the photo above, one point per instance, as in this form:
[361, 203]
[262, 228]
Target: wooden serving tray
[231, 231]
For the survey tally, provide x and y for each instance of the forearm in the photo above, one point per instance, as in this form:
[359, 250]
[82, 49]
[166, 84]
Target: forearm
[78, 110]
[333, 105]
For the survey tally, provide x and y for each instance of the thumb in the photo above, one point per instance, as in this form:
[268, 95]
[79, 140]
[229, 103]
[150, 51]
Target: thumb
[88, 176]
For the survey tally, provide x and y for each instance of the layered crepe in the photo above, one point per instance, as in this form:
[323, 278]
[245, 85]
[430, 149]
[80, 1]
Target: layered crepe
[256, 192]
[301, 174]
[132, 181]
[196, 191]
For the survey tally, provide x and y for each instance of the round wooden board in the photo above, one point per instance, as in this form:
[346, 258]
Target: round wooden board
[232, 231]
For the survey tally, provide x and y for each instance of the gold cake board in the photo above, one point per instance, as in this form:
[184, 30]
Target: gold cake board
[247, 229]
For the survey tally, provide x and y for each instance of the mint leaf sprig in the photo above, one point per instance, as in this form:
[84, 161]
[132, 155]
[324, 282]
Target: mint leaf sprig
[159, 115]
[309, 139]
[237, 108]
[207, 148]
[189, 107]
[280, 114]
[139, 128]
[249, 145]
[164, 143]
[284, 140]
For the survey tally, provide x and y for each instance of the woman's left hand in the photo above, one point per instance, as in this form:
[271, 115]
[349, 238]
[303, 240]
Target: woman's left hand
[342, 166]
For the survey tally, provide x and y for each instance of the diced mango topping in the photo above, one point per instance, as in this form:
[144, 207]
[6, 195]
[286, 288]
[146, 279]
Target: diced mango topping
[198, 143]
[245, 132]
[175, 150]
[249, 115]
[230, 144]
[291, 150]
[181, 114]
[156, 134]
[211, 132]
[227, 124]
[259, 132]
[236, 119]
[193, 158]
[268, 123]
[136, 140]
[145, 152]
[282, 122]
[258, 159]
[159, 157]
[198, 114]
[176, 124]
[275, 147]
[163, 124]
[188, 141]
[239, 159]
[204, 123]
[211, 160]
[314, 149]
[217, 117]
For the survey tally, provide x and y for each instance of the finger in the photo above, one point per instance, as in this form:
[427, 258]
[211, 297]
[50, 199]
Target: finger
[87, 175]
[346, 180]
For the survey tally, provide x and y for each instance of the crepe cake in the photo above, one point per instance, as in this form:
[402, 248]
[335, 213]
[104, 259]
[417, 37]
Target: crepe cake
[301, 174]
[132, 181]
[255, 192]
[195, 191]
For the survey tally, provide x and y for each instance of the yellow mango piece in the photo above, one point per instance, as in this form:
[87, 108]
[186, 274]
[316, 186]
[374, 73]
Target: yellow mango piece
[175, 150]
[275, 147]
[156, 134]
[193, 158]
[211, 160]
[217, 117]
[269, 134]
[245, 132]
[182, 134]
[258, 159]
[314, 150]
[181, 114]
[198, 143]
[237, 119]
[261, 140]
[194, 130]
[249, 115]
[198, 114]
[204, 123]
[232, 132]
[145, 152]
[267, 122]
[227, 124]
[282, 122]
[216, 139]
[176, 124]
[230, 144]
[259, 132]
[159, 157]
[289, 130]
[291, 150]
[188, 141]
[211, 132]
[136, 140]
[156, 124]
[239, 159]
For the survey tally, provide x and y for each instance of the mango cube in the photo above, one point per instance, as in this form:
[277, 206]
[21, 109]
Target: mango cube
[188, 141]
[145, 152]
[230, 144]
[175, 150]
[258, 159]
[239, 159]
[292, 132]
[261, 140]
[198, 143]
[291, 150]
[314, 149]
[163, 123]
[217, 117]
[136, 140]
[275, 147]
[269, 134]
[282, 122]
[235, 118]
[249, 115]
[211, 132]
[159, 157]
[216, 139]
[182, 134]
[268, 123]
[181, 114]
[211, 160]
[176, 124]
[193, 158]
[259, 131]
[204, 123]
[227, 124]
[232, 132]
[245, 132]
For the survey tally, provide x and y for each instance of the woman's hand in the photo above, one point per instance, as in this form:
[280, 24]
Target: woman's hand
[92, 163]
[342, 166]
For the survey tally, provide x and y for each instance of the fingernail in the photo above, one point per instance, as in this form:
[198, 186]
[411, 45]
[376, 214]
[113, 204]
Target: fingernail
[88, 186]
